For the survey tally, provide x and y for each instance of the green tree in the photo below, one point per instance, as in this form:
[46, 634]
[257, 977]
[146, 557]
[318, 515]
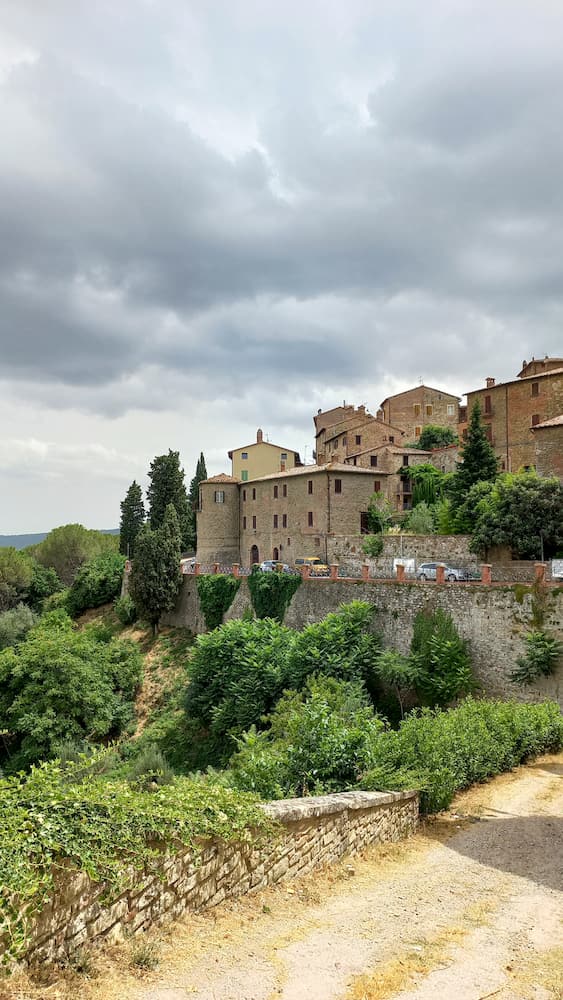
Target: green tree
[433, 436]
[166, 487]
[421, 520]
[15, 624]
[44, 582]
[427, 482]
[193, 501]
[440, 659]
[397, 672]
[478, 460]
[380, 513]
[16, 571]
[132, 519]
[155, 577]
[66, 548]
[521, 511]
[97, 582]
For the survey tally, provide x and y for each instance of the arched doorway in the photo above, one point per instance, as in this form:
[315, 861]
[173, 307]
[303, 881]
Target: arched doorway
[254, 557]
[276, 554]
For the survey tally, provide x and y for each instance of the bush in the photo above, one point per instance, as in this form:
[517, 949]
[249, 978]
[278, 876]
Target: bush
[440, 659]
[62, 684]
[341, 646]
[15, 624]
[97, 582]
[151, 769]
[237, 673]
[539, 660]
[216, 593]
[271, 593]
[373, 546]
[125, 610]
[319, 740]
[44, 583]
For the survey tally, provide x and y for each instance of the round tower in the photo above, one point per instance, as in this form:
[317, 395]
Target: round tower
[218, 521]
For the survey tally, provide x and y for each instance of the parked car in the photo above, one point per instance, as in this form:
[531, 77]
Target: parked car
[318, 567]
[427, 571]
[274, 566]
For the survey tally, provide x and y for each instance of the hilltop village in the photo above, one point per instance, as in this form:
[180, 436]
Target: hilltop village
[272, 506]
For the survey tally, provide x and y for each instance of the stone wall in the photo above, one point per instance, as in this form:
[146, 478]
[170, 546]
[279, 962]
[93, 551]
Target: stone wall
[451, 549]
[313, 832]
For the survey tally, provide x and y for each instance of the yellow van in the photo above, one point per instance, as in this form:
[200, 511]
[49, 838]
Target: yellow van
[318, 567]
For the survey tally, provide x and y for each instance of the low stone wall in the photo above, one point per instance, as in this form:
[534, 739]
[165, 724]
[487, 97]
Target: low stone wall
[451, 549]
[313, 832]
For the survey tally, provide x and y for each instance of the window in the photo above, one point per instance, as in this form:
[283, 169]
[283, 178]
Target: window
[254, 522]
[417, 431]
[416, 408]
[391, 439]
[244, 456]
[429, 409]
[275, 520]
[377, 486]
[244, 475]
[535, 419]
[310, 519]
[284, 523]
[355, 461]
[309, 486]
[344, 441]
[373, 461]
[450, 409]
[335, 445]
[364, 526]
[219, 496]
[275, 492]
[462, 414]
[317, 542]
[489, 432]
[283, 456]
[535, 388]
[289, 541]
[358, 438]
[338, 486]
[284, 490]
[254, 493]
[488, 407]
[244, 524]
[405, 459]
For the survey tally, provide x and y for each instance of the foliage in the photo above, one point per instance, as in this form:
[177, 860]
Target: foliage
[60, 683]
[444, 516]
[66, 548]
[16, 571]
[440, 658]
[155, 576]
[271, 593]
[44, 583]
[522, 511]
[420, 520]
[193, 502]
[380, 513]
[341, 646]
[320, 740]
[372, 546]
[105, 828]
[166, 486]
[56, 601]
[132, 519]
[151, 769]
[237, 673]
[216, 592]
[97, 582]
[397, 672]
[478, 460]
[125, 610]
[427, 483]
[15, 624]
[442, 752]
[434, 436]
[539, 660]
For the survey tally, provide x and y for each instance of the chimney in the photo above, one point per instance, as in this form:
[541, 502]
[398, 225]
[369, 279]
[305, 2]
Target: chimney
[259, 436]
[490, 383]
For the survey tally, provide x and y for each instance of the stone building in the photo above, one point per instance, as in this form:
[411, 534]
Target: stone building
[260, 458]
[389, 464]
[287, 515]
[414, 409]
[548, 442]
[355, 436]
[511, 410]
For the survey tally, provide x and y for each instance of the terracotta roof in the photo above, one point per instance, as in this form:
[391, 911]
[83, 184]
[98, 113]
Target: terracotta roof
[512, 381]
[222, 478]
[554, 422]
[414, 389]
[310, 470]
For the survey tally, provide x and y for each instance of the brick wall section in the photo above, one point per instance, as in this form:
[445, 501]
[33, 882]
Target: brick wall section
[401, 409]
[314, 832]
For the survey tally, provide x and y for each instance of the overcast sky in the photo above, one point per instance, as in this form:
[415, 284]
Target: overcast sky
[223, 214]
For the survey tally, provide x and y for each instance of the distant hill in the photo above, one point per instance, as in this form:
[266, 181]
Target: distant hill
[22, 541]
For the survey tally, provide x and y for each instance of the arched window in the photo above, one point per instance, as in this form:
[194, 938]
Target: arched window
[254, 557]
[276, 554]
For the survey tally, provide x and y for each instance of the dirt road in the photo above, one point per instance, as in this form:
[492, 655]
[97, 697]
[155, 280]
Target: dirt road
[471, 908]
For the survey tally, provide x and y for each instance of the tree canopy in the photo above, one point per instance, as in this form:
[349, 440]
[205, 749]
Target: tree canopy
[521, 511]
[156, 576]
[66, 548]
[132, 519]
[166, 486]
[193, 499]
[478, 460]
[16, 572]
[434, 436]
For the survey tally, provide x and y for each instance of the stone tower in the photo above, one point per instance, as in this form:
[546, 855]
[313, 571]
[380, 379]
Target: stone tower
[218, 521]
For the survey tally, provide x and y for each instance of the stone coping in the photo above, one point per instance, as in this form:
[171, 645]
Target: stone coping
[291, 810]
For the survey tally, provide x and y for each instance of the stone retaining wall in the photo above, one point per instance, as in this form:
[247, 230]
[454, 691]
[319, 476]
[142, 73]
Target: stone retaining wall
[313, 832]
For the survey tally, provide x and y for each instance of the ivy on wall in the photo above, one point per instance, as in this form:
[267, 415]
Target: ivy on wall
[271, 593]
[216, 593]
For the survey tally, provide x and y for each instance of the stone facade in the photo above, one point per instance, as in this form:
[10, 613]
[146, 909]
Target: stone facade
[313, 832]
[548, 448]
[414, 409]
[218, 520]
[345, 441]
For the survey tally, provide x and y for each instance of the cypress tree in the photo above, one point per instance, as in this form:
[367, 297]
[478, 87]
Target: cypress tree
[132, 519]
[156, 576]
[193, 499]
[166, 486]
[479, 462]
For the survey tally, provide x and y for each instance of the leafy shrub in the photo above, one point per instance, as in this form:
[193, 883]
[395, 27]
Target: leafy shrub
[539, 660]
[97, 582]
[125, 610]
[151, 769]
[373, 546]
[442, 752]
[397, 672]
[16, 571]
[64, 684]
[237, 673]
[216, 593]
[421, 520]
[15, 624]
[319, 740]
[271, 593]
[44, 582]
[440, 658]
[56, 601]
[341, 646]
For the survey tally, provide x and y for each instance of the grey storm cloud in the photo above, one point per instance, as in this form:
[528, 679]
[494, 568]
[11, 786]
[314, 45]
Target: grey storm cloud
[393, 207]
